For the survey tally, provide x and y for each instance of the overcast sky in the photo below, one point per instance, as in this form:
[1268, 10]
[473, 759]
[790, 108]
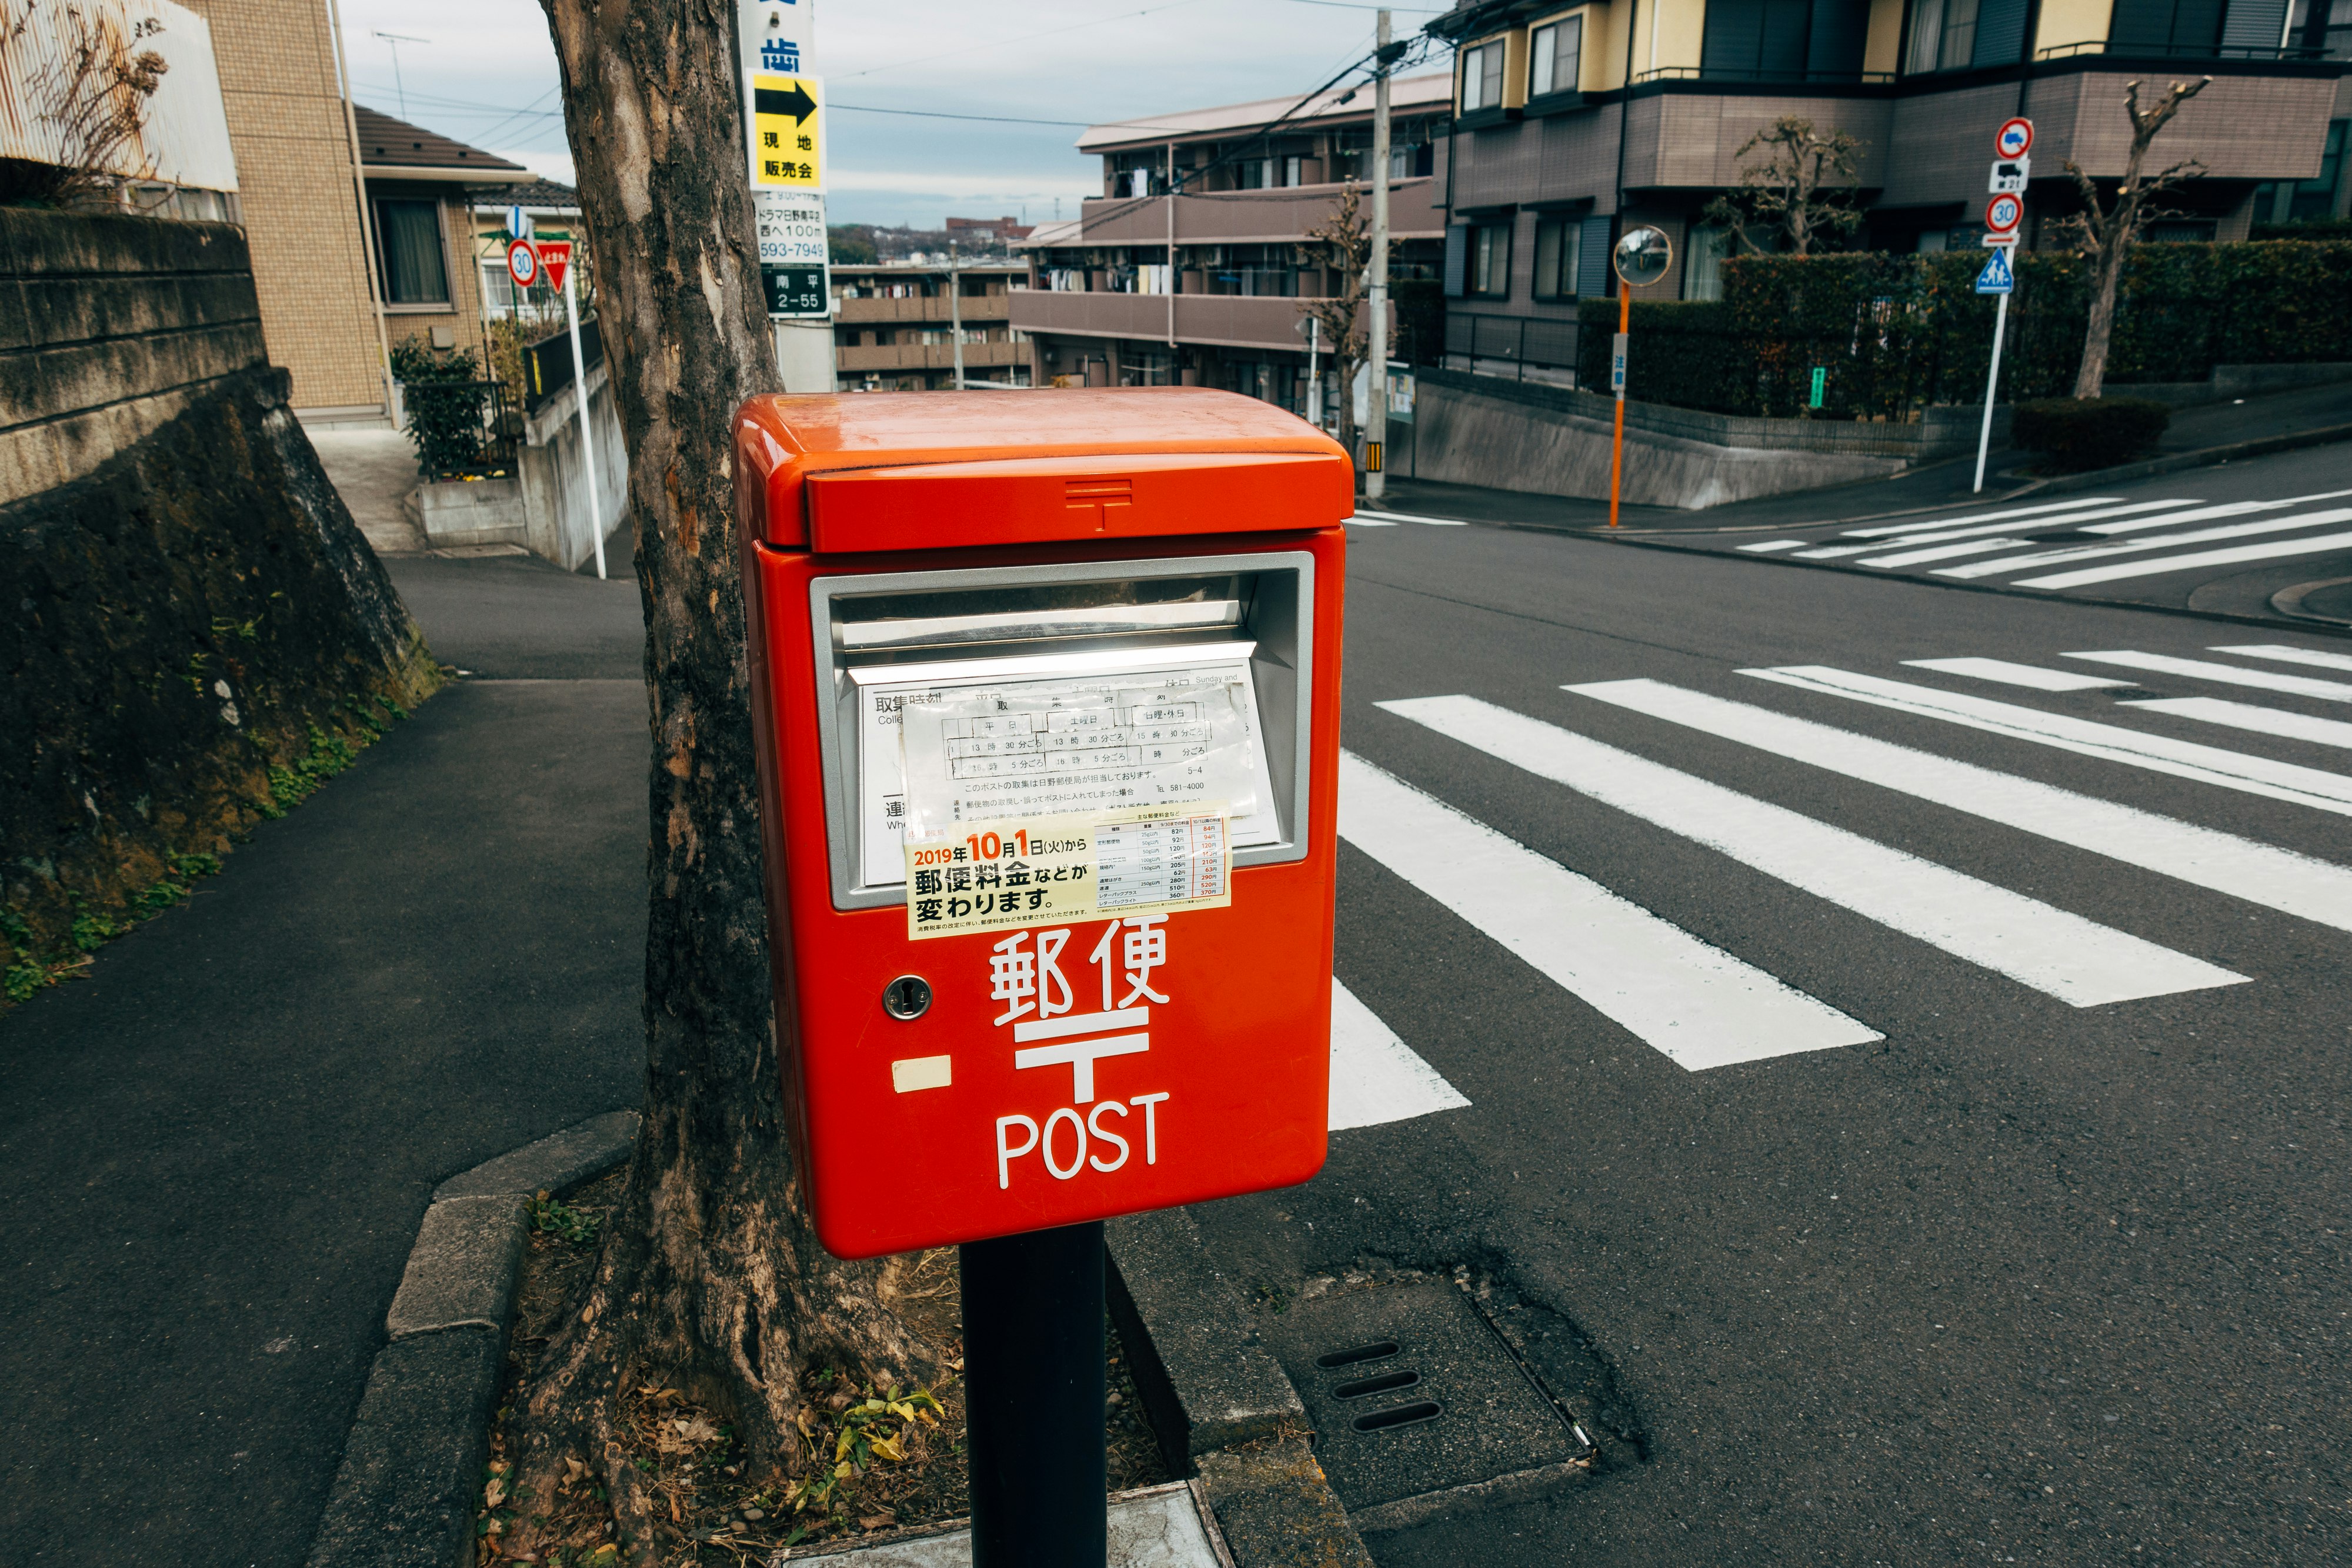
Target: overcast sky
[486, 75]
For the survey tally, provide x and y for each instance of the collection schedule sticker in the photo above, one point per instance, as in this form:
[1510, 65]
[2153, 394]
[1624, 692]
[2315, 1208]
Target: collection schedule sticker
[996, 876]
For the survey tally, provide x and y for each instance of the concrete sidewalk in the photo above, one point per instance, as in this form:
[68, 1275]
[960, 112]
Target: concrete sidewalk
[216, 1148]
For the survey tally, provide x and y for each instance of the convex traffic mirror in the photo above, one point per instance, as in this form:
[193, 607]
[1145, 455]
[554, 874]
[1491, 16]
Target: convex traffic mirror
[1642, 256]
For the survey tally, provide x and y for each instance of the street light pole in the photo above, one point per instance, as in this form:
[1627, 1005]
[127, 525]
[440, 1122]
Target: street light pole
[1376, 398]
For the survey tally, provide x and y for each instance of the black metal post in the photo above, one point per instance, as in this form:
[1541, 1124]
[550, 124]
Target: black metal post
[1033, 1360]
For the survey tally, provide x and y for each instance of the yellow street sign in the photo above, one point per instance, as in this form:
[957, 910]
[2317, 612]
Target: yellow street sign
[787, 132]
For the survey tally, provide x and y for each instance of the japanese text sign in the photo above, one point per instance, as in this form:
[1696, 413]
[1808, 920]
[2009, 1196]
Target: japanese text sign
[786, 127]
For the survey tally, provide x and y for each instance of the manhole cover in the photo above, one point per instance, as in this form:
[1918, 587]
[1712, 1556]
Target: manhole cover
[1410, 1393]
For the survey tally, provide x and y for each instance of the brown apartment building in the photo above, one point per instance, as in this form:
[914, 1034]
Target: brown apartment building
[892, 325]
[1193, 265]
[1572, 122]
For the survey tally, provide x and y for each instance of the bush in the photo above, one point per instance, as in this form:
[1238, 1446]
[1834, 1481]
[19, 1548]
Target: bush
[2080, 433]
[444, 402]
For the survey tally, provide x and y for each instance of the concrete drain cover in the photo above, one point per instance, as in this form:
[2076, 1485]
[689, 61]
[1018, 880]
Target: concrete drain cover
[1410, 1393]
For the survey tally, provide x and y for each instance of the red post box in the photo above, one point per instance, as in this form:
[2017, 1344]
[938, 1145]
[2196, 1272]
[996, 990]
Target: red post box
[1046, 691]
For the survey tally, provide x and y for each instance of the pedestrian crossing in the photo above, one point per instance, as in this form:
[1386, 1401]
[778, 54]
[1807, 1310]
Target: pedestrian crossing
[2086, 542]
[1705, 1009]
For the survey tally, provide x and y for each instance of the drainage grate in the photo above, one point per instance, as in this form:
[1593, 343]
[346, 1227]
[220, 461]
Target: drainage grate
[1411, 1393]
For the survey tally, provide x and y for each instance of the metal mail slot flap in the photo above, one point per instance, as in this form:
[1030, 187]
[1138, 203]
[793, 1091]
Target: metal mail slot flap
[932, 505]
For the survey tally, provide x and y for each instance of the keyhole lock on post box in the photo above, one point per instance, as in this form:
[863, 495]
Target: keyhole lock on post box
[1046, 689]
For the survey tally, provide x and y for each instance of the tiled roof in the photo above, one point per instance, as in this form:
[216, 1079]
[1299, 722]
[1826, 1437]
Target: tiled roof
[389, 143]
[538, 194]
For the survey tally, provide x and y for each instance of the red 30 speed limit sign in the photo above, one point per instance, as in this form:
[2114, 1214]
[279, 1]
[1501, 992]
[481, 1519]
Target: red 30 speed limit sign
[2003, 214]
[522, 263]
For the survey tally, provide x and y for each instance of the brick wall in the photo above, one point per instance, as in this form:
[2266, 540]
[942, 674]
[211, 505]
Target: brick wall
[286, 123]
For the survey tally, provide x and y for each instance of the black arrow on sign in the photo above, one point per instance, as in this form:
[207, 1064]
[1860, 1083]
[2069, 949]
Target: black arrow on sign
[796, 103]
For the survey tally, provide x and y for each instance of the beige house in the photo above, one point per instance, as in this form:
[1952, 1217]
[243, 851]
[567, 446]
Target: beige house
[335, 198]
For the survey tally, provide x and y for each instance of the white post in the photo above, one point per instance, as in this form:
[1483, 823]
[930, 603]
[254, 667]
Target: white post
[1992, 379]
[1377, 392]
[580, 390]
[1313, 374]
[955, 314]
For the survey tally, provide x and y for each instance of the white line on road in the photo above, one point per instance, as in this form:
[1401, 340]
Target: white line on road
[2009, 674]
[2246, 716]
[2226, 674]
[2233, 508]
[2314, 787]
[1372, 522]
[1943, 552]
[1409, 517]
[2261, 874]
[2288, 654]
[1987, 517]
[1695, 1003]
[2195, 560]
[1766, 546]
[2144, 546]
[2079, 962]
[1376, 1078]
[2069, 519]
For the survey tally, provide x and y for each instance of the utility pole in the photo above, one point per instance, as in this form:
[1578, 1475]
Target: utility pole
[1376, 400]
[955, 313]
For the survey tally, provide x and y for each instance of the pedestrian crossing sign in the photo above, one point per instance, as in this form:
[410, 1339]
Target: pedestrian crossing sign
[1996, 278]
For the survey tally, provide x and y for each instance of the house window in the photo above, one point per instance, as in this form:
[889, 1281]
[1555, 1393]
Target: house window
[1748, 39]
[2289, 201]
[1556, 257]
[1490, 260]
[2324, 25]
[1555, 56]
[1703, 253]
[1482, 77]
[1294, 171]
[2171, 26]
[408, 233]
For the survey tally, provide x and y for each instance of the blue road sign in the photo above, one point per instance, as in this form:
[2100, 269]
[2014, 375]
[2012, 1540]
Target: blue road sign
[518, 224]
[1996, 278]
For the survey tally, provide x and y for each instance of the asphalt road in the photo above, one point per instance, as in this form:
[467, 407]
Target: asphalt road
[218, 1148]
[2052, 1272]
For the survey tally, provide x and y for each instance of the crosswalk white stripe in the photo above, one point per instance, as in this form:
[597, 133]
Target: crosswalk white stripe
[2080, 962]
[2225, 674]
[2068, 519]
[1413, 517]
[2144, 546]
[2312, 787]
[2277, 550]
[2261, 874]
[2233, 508]
[1765, 547]
[2009, 674]
[1372, 522]
[2246, 716]
[1942, 552]
[1839, 552]
[1694, 1002]
[1376, 1078]
[2288, 654]
[1983, 517]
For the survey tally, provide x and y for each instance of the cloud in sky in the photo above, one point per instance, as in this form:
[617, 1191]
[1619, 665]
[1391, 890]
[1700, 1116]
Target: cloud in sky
[487, 75]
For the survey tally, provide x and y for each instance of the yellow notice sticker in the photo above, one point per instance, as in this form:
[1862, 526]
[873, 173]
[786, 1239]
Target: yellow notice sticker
[787, 132]
[995, 876]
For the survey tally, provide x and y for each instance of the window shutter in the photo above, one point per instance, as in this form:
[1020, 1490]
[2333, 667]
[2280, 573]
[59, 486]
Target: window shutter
[1592, 259]
[2253, 24]
[2000, 33]
[1457, 259]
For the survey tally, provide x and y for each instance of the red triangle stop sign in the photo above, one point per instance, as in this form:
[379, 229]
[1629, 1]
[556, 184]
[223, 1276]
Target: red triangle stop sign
[555, 256]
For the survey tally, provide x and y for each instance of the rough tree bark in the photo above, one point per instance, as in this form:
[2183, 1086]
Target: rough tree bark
[708, 1278]
[2108, 232]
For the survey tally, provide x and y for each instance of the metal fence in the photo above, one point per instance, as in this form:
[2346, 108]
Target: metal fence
[1517, 341]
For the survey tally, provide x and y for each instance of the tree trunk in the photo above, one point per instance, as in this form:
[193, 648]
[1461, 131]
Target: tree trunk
[2106, 278]
[708, 1278]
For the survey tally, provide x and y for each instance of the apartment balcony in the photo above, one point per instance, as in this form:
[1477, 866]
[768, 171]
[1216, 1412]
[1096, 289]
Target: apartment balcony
[1253, 217]
[850, 311]
[1229, 321]
[882, 357]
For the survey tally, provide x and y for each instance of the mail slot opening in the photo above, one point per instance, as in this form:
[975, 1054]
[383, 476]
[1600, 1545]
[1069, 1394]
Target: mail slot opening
[978, 694]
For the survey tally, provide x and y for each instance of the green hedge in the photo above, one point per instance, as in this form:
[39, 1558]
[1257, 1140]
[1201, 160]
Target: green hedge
[1895, 333]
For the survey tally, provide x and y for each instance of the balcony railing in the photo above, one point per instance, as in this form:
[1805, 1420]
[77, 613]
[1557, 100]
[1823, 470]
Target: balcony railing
[1235, 320]
[858, 308]
[925, 356]
[2179, 51]
[1722, 73]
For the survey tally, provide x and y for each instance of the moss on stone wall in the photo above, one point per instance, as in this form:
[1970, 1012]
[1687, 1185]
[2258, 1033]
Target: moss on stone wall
[198, 636]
